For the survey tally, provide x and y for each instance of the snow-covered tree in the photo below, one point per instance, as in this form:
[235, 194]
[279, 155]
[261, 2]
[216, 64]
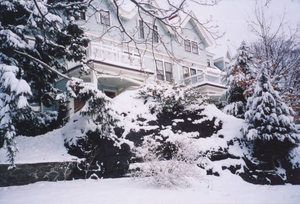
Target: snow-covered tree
[239, 77]
[13, 103]
[269, 124]
[35, 42]
[278, 44]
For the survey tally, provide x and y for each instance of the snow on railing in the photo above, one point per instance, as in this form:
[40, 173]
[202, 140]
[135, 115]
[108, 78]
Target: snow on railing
[102, 52]
[203, 77]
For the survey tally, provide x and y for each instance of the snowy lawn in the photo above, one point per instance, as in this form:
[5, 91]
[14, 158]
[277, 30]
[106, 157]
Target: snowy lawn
[226, 189]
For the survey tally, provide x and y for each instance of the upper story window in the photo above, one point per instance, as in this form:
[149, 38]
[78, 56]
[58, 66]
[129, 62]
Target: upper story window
[148, 30]
[164, 69]
[169, 71]
[105, 18]
[141, 29]
[195, 47]
[155, 34]
[187, 45]
[191, 46]
[160, 70]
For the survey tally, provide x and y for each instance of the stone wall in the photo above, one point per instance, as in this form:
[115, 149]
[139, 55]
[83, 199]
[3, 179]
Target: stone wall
[29, 173]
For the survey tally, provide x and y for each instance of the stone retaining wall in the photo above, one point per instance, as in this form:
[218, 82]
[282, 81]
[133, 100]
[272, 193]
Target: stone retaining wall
[30, 173]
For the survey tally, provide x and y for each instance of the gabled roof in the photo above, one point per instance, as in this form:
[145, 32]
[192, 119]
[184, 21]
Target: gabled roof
[131, 11]
[199, 28]
[221, 52]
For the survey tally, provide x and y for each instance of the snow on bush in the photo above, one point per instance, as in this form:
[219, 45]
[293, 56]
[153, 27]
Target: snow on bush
[169, 160]
[170, 98]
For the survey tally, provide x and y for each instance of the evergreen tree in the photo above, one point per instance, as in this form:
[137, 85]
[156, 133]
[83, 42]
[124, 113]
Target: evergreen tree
[270, 126]
[239, 75]
[34, 35]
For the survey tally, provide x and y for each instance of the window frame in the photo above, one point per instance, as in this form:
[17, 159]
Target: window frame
[155, 34]
[169, 73]
[160, 73]
[83, 16]
[208, 62]
[142, 29]
[195, 47]
[193, 71]
[187, 45]
[105, 19]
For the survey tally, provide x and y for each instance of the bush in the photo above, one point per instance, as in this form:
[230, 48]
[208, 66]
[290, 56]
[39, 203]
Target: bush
[167, 161]
[170, 98]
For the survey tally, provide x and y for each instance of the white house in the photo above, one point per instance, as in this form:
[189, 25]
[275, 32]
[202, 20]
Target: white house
[157, 53]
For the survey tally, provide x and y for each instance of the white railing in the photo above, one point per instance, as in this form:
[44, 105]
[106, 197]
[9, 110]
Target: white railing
[203, 77]
[110, 53]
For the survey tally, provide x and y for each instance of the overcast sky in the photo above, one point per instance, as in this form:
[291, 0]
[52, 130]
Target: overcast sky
[232, 15]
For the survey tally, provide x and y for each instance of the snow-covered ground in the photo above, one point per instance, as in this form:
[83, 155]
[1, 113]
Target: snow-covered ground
[45, 148]
[226, 189]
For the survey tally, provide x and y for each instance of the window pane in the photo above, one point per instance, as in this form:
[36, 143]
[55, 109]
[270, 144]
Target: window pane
[195, 47]
[186, 72]
[160, 70]
[169, 71]
[193, 72]
[141, 26]
[187, 45]
[82, 15]
[155, 34]
[105, 18]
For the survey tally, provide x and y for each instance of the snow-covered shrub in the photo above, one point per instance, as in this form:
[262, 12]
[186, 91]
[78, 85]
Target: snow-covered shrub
[97, 144]
[170, 98]
[168, 161]
[33, 124]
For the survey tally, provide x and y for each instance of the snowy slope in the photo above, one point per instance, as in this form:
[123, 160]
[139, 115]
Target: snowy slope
[45, 148]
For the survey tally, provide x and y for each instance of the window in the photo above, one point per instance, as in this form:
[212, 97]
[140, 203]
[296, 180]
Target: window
[186, 72]
[187, 45]
[193, 72]
[163, 69]
[160, 70]
[208, 62]
[169, 71]
[105, 18]
[195, 47]
[155, 34]
[82, 16]
[141, 29]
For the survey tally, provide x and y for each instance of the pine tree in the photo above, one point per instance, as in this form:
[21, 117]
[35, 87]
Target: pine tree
[34, 33]
[239, 75]
[269, 123]
[13, 104]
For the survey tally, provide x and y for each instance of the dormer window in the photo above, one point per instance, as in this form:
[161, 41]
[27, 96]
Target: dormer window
[187, 45]
[191, 46]
[105, 18]
[195, 47]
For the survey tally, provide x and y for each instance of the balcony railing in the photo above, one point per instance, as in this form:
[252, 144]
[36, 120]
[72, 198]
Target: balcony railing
[201, 78]
[110, 53]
